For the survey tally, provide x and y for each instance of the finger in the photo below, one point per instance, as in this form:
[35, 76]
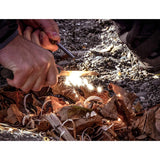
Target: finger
[50, 27]
[20, 77]
[27, 33]
[28, 85]
[45, 42]
[20, 27]
[41, 80]
[52, 76]
[35, 37]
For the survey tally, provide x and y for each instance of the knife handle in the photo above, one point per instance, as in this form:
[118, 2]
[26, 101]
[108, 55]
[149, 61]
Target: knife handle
[7, 73]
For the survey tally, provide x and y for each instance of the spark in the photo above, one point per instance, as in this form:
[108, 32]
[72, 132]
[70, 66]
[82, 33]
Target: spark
[118, 95]
[90, 87]
[99, 89]
[75, 79]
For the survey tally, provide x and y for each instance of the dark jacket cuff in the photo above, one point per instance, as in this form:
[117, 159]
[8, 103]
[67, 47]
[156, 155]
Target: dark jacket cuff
[10, 38]
[8, 31]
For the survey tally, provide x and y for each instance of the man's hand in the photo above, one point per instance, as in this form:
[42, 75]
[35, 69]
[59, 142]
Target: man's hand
[45, 30]
[33, 66]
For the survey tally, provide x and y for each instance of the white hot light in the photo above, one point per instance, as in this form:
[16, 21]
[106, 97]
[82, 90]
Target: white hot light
[99, 89]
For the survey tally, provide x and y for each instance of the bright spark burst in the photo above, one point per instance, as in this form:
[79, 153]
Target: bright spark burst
[75, 79]
[99, 89]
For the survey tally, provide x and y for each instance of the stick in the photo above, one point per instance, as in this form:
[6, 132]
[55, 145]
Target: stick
[57, 125]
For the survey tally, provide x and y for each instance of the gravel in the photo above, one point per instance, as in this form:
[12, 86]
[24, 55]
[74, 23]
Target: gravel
[98, 48]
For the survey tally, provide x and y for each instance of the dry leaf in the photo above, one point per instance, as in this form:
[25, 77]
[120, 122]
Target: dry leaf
[110, 110]
[138, 108]
[83, 123]
[123, 95]
[150, 127]
[43, 126]
[16, 96]
[157, 119]
[14, 115]
[73, 112]
[57, 103]
[149, 123]
[124, 103]
[66, 91]
[3, 108]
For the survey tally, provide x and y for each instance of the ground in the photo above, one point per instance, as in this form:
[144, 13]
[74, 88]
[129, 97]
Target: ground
[97, 47]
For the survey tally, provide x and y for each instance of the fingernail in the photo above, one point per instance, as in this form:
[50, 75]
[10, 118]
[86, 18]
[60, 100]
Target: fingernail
[55, 35]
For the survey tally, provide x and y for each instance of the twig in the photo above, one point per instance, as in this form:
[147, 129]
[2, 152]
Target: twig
[57, 125]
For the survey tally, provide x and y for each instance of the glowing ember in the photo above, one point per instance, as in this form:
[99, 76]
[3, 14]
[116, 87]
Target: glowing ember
[90, 87]
[99, 89]
[119, 119]
[119, 95]
[76, 95]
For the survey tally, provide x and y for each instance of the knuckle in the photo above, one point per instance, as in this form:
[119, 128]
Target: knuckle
[37, 67]
[44, 61]
[28, 29]
[50, 56]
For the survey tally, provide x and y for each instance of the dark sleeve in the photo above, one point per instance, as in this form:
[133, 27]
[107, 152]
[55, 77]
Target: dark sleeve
[8, 31]
[141, 36]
